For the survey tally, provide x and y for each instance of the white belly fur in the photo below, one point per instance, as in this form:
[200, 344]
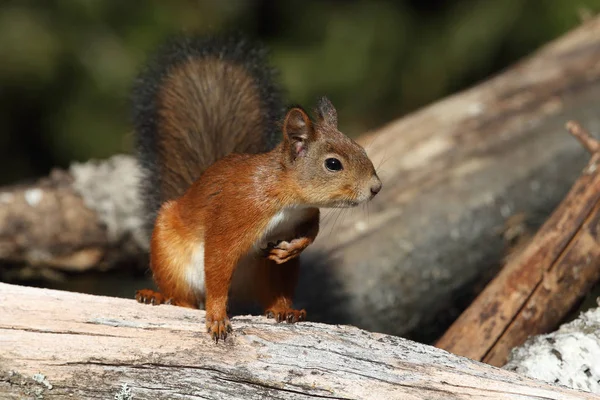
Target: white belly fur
[194, 273]
[281, 227]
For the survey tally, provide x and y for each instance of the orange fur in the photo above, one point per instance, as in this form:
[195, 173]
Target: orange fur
[275, 289]
[171, 249]
[231, 208]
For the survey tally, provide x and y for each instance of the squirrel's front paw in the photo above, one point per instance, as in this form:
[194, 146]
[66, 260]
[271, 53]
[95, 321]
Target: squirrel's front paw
[283, 251]
[218, 328]
[286, 314]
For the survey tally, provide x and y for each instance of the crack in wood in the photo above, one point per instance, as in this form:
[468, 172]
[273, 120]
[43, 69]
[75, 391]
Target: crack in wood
[34, 330]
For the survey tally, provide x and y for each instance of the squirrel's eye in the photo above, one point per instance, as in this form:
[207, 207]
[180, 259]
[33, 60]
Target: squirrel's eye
[333, 164]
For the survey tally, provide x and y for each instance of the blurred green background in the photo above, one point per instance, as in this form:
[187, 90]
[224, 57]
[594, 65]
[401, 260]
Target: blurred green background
[67, 66]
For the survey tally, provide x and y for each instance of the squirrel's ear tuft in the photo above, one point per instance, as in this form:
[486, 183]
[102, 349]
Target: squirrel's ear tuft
[327, 112]
[298, 132]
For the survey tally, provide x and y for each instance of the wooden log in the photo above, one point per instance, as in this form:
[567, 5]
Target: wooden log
[453, 172]
[33, 221]
[76, 220]
[66, 345]
[536, 290]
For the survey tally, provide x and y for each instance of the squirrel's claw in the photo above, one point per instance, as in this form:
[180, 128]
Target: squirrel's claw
[288, 315]
[218, 330]
[284, 251]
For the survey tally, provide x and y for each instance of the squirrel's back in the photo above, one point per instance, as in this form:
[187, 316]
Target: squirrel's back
[196, 101]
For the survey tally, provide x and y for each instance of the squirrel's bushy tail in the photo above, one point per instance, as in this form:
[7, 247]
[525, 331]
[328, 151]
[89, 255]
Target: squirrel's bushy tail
[197, 100]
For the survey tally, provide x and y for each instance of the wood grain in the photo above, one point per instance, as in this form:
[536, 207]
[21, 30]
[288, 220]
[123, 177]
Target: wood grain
[87, 347]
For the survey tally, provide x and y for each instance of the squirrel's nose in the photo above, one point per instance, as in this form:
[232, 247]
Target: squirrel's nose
[376, 187]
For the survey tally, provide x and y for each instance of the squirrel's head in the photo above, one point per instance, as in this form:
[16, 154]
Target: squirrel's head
[331, 169]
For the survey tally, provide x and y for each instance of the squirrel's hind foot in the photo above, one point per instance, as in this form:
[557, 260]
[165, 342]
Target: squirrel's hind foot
[288, 315]
[149, 296]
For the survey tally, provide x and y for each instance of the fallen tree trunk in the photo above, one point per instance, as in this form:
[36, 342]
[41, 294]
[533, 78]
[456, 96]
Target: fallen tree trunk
[537, 289]
[452, 172]
[66, 345]
[77, 220]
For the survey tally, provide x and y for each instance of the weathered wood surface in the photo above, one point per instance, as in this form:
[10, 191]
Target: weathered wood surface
[87, 347]
[453, 172]
[537, 289]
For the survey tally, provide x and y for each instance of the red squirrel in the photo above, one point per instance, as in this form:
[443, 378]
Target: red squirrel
[221, 194]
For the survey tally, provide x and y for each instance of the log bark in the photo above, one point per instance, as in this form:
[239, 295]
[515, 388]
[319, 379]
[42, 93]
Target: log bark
[538, 288]
[411, 261]
[66, 345]
[76, 220]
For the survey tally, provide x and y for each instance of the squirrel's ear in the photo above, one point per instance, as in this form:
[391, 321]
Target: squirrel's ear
[298, 132]
[327, 112]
